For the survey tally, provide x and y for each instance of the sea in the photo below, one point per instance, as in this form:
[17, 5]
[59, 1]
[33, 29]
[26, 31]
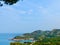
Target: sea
[4, 38]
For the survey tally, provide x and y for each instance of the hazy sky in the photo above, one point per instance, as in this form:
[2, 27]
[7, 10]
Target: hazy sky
[30, 15]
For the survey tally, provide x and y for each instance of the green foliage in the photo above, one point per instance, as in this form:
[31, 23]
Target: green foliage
[43, 37]
[48, 41]
[44, 41]
[16, 43]
[8, 2]
[43, 34]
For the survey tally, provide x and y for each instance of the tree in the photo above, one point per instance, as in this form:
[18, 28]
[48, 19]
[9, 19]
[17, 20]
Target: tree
[8, 2]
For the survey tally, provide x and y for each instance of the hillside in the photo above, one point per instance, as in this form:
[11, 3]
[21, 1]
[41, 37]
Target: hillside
[39, 33]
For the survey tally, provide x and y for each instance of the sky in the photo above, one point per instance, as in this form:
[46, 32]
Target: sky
[30, 15]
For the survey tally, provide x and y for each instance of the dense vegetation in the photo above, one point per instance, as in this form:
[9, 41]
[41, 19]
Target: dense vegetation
[44, 41]
[8, 2]
[18, 43]
[40, 33]
[48, 41]
[43, 37]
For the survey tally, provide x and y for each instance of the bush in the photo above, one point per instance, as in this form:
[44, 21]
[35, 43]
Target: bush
[15, 43]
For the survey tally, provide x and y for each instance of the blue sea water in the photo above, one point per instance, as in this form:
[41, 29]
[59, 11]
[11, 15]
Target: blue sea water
[4, 38]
